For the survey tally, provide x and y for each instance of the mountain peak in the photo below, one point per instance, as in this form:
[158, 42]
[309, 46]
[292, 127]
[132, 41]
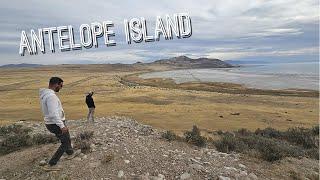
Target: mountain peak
[186, 62]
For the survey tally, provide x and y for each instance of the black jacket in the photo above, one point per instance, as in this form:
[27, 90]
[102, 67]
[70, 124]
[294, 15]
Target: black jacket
[90, 102]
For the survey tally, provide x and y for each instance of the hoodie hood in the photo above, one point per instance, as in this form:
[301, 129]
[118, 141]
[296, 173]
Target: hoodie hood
[43, 92]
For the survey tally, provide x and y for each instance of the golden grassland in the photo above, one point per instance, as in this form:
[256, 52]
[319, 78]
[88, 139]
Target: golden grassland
[167, 107]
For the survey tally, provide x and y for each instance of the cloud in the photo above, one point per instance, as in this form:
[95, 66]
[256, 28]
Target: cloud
[282, 25]
[238, 53]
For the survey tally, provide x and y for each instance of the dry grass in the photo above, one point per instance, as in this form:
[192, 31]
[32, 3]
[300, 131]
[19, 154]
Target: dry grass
[171, 109]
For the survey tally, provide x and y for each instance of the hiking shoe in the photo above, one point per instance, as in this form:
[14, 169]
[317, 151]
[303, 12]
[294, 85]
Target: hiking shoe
[69, 151]
[48, 167]
[75, 154]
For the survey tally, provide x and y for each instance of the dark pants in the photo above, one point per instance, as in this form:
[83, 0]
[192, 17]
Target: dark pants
[65, 143]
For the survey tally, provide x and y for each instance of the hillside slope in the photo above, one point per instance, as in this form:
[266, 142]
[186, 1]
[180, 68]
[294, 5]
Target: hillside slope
[123, 148]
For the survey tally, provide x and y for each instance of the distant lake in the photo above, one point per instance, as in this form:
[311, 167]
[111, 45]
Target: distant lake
[262, 76]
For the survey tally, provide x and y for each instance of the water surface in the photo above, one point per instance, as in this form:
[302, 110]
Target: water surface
[262, 76]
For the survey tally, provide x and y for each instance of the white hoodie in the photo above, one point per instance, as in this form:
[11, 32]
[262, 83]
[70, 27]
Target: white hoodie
[51, 107]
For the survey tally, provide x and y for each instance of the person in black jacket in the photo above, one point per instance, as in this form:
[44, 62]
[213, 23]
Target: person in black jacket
[91, 106]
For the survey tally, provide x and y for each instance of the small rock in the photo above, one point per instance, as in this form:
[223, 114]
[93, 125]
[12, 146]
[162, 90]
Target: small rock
[243, 173]
[252, 176]
[42, 163]
[120, 174]
[159, 177]
[242, 166]
[224, 178]
[197, 167]
[233, 155]
[194, 160]
[78, 151]
[94, 164]
[185, 176]
[230, 169]
[127, 161]
[154, 178]
[235, 113]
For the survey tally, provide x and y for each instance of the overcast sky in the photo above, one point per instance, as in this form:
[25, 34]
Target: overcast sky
[225, 29]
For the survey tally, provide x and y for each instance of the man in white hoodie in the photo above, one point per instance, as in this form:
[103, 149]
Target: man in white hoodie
[54, 119]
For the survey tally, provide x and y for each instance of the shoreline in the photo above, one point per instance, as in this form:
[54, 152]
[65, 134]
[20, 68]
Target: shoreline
[250, 78]
[220, 87]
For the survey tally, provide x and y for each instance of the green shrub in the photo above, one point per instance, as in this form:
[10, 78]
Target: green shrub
[271, 151]
[15, 142]
[83, 141]
[301, 136]
[43, 139]
[13, 129]
[169, 135]
[243, 132]
[269, 133]
[194, 137]
[229, 143]
[15, 137]
[86, 135]
[315, 130]
[266, 144]
[252, 141]
[313, 153]
[84, 146]
[219, 132]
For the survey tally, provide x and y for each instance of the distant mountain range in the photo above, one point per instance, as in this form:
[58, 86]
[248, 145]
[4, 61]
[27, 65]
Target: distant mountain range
[179, 62]
[186, 62]
[20, 65]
